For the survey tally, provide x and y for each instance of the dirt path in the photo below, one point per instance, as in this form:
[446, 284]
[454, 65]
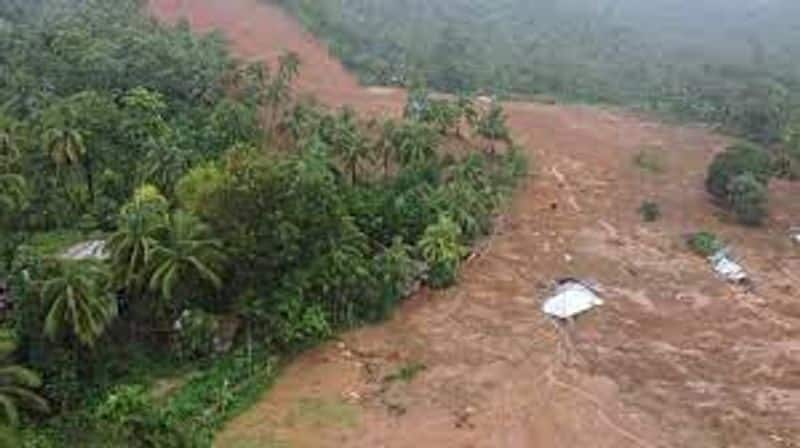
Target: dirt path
[675, 358]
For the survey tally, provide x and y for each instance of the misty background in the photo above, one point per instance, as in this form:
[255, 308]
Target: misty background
[706, 59]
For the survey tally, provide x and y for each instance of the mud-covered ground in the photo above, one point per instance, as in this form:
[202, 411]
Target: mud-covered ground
[675, 357]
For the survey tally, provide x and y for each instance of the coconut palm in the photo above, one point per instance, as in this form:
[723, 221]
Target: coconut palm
[9, 148]
[184, 255]
[64, 146]
[78, 302]
[131, 248]
[348, 143]
[13, 193]
[279, 90]
[493, 127]
[16, 390]
[414, 143]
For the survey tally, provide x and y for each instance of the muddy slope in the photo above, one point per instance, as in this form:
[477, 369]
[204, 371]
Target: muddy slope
[675, 358]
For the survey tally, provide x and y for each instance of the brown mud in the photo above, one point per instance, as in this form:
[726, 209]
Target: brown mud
[675, 357]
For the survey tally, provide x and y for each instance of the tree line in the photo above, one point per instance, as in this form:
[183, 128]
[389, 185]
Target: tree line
[220, 199]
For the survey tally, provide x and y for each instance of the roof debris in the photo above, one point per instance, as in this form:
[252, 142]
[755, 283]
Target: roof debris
[727, 269]
[794, 234]
[87, 250]
[571, 298]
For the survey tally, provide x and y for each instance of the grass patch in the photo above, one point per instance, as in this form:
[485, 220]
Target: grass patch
[405, 373]
[323, 412]
[650, 211]
[705, 244]
[53, 243]
[650, 160]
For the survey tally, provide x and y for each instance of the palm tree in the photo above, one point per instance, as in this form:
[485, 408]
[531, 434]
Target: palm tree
[348, 143]
[414, 143]
[16, 390]
[64, 146]
[466, 109]
[13, 194]
[384, 146]
[161, 166]
[289, 66]
[131, 247]
[279, 91]
[13, 191]
[78, 302]
[184, 255]
[9, 149]
[493, 127]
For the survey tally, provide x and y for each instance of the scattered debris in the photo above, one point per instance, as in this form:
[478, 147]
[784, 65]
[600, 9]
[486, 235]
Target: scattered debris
[562, 181]
[464, 418]
[571, 297]
[87, 250]
[794, 234]
[227, 328]
[728, 269]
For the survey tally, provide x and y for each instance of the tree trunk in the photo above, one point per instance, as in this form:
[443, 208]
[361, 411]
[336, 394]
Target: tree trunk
[87, 165]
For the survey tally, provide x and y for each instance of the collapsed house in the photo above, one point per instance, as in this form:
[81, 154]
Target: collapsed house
[570, 298]
[87, 250]
[728, 269]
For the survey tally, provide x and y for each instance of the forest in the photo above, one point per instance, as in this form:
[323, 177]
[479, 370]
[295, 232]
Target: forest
[232, 224]
[732, 63]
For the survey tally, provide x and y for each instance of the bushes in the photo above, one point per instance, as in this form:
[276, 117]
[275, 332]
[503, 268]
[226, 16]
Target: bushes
[748, 199]
[736, 160]
[705, 244]
[650, 211]
[738, 179]
[442, 249]
[131, 418]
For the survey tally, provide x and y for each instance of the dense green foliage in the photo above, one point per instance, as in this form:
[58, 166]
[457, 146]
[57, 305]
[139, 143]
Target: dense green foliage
[705, 243]
[238, 223]
[729, 62]
[738, 178]
[748, 199]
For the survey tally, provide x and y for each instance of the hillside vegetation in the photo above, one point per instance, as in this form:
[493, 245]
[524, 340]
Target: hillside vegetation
[732, 62]
[239, 223]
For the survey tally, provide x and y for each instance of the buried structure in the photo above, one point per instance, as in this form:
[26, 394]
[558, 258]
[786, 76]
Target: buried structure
[570, 298]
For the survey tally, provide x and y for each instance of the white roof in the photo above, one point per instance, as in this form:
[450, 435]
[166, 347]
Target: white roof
[570, 299]
[88, 250]
[727, 268]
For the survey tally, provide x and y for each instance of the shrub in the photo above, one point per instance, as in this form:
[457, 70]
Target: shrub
[787, 164]
[650, 211]
[734, 161]
[194, 187]
[395, 272]
[705, 244]
[132, 419]
[748, 199]
[493, 126]
[442, 249]
[196, 332]
[649, 160]
[294, 323]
